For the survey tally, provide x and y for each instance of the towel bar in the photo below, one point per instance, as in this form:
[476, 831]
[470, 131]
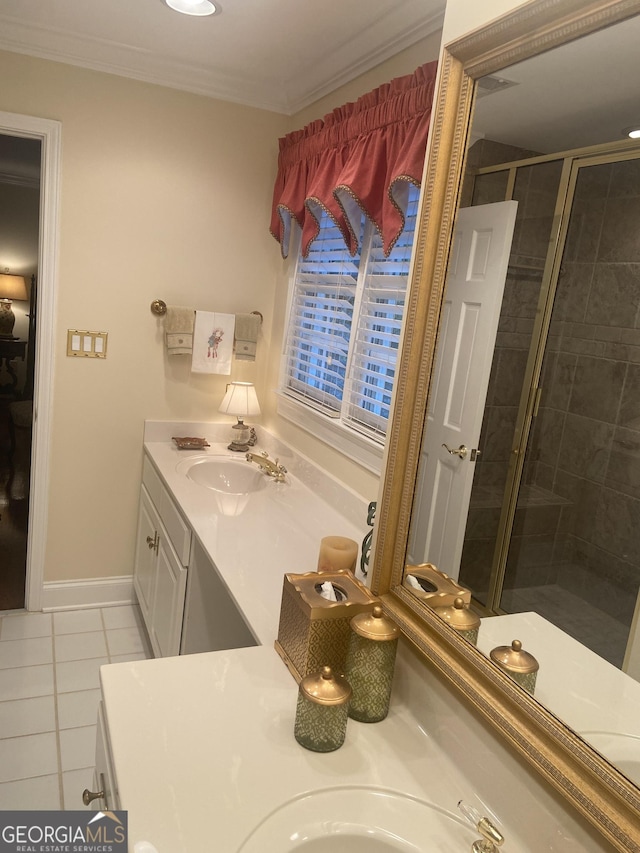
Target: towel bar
[159, 308]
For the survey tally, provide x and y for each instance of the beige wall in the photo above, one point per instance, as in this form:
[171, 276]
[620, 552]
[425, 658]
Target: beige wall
[463, 16]
[359, 478]
[164, 195]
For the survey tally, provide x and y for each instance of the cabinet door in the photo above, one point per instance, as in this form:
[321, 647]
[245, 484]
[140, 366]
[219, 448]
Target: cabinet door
[144, 572]
[168, 602]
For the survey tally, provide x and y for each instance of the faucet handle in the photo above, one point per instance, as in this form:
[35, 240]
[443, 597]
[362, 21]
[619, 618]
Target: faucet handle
[491, 839]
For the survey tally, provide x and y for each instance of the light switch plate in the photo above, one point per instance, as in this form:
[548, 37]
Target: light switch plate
[85, 344]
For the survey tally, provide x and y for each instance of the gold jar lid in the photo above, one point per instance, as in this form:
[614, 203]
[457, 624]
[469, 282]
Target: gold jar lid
[459, 616]
[375, 625]
[513, 658]
[324, 688]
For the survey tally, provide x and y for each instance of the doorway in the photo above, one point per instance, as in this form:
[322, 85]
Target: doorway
[47, 134]
[555, 508]
[19, 250]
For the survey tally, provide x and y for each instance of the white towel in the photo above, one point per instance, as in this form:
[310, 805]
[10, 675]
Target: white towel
[212, 342]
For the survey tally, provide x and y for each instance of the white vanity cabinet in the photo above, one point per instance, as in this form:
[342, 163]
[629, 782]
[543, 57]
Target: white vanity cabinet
[163, 547]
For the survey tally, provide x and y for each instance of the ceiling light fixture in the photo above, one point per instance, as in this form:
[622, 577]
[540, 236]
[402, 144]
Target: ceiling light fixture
[632, 132]
[200, 8]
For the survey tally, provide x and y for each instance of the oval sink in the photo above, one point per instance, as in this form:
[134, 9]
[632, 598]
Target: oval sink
[623, 750]
[358, 820]
[223, 474]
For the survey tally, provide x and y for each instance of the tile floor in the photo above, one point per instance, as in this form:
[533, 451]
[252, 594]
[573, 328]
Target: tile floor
[49, 694]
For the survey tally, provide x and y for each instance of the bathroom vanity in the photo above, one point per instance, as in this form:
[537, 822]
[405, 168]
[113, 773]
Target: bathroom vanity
[199, 748]
[209, 560]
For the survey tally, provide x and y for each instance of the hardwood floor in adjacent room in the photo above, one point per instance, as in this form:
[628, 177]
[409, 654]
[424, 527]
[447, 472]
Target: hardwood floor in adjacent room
[14, 515]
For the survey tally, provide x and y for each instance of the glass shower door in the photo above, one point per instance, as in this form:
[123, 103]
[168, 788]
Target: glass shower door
[574, 550]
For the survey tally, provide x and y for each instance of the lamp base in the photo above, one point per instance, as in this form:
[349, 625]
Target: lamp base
[7, 319]
[244, 437]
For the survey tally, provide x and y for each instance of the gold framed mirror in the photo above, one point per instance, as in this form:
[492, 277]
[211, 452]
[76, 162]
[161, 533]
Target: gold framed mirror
[593, 785]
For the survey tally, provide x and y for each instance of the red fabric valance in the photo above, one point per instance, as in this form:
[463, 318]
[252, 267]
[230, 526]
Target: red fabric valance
[359, 158]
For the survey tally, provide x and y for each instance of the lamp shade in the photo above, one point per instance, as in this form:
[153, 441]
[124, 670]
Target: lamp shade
[13, 287]
[240, 399]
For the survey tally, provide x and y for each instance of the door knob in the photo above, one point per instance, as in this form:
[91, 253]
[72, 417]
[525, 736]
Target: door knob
[461, 451]
[151, 543]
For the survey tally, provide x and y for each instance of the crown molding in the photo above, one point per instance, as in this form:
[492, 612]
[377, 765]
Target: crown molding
[124, 60]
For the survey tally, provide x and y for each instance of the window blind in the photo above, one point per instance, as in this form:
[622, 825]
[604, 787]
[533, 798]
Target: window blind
[376, 339]
[345, 324]
[320, 320]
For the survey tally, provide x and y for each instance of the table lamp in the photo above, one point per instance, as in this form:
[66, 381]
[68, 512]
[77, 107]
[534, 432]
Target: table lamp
[240, 400]
[11, 287]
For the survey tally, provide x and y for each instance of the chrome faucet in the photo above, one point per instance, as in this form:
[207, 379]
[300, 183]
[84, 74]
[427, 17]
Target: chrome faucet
[491, 839]
[270, 468]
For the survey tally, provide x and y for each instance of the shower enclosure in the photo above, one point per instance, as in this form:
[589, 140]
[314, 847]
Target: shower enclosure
[554, 518]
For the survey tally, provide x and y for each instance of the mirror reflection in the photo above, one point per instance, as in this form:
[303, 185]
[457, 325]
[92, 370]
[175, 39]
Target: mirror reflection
[528, 493]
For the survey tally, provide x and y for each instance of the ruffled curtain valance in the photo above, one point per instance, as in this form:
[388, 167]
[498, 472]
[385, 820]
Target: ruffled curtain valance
[359, 158]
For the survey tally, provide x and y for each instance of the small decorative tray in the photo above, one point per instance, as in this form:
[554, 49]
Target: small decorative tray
[190, 442]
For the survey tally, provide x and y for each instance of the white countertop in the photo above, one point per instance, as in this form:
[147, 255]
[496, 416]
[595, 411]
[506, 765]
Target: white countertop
[278, 531]
[572, 679]
[203, 744]
[206, 748]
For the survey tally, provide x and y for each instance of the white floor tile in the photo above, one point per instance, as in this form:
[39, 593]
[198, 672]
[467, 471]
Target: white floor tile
[30, 711]
[132, 656]
[27, 716]
[32, 755]
[123, 641]
[41, 792]
[78, 748]
[27, 652]
[123, 616]
[77, 621]
[78, 674]
[22, 625]
[78, 709]
[73, 784]
[26, 681]
[79, 646]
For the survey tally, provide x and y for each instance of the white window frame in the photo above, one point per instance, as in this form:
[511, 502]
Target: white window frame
[343, 437]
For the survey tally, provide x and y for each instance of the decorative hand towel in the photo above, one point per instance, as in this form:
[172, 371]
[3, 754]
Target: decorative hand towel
[247, 330]
[178, 330]
[212, 342]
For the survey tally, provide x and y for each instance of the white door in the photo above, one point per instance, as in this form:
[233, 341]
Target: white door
[468, 327]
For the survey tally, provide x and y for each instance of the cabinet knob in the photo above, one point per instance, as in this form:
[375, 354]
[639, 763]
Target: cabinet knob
[89, 796]
[152, 543]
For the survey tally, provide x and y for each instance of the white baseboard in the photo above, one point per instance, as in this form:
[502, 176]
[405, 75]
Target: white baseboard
[101, 592]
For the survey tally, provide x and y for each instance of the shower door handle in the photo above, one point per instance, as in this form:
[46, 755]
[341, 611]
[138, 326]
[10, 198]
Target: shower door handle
[461, 451]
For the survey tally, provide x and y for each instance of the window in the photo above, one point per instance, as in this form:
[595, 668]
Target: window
[345, 324]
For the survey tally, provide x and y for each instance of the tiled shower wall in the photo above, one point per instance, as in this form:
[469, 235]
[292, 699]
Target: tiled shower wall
[578, 514]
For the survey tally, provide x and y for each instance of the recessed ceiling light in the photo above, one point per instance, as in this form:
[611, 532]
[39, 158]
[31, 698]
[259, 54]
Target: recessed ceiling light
[199, 8]
[633, 132]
